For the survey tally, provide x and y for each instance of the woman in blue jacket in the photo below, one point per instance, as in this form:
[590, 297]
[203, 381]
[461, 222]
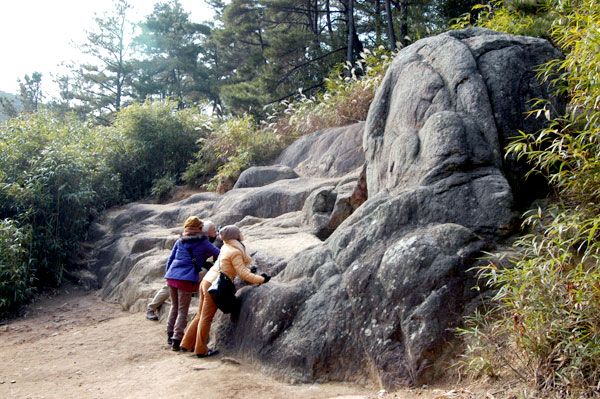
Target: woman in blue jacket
[183, 266]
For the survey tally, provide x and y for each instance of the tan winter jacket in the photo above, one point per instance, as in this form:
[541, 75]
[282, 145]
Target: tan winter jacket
[234, 261]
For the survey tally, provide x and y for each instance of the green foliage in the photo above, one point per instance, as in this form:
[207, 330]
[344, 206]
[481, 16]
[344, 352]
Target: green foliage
[253, 52]
[243, 96]
[452, 9]
[544, 324]
[548, 304]
[346, 99]
[29, 99]
[202, 169]
[234, 145]
[268, 50]
[170, 42]
[151, 140]
[163, 187]
[518, 17]
[57, 174]
[16, 274]
[54, 180]
[30, 89]
[239, 142]
[102, 85]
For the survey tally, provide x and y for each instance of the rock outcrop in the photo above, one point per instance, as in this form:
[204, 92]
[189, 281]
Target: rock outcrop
[258, 176]
[378, 298]
[128, 246]
[331, 153]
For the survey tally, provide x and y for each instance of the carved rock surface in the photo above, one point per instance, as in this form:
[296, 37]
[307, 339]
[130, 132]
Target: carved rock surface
[379, 297]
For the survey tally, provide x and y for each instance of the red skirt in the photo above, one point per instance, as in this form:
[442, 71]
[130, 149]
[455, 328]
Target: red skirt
[187, 286]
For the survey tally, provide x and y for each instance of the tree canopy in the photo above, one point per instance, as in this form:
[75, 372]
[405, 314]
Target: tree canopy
[253, 52]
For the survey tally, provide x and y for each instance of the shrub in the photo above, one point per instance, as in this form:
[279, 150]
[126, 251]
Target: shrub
[547, 306]
[202, 169]
[54, 180]
[530, 18]
[234, 145]
[151, 140]
[163, 187]
[16, 274]
[543, 322]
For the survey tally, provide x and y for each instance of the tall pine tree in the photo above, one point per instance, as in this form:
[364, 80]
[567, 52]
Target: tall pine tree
[170, 44]
[103, 84]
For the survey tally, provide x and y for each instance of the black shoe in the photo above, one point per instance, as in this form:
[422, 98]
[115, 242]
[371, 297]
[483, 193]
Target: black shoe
[176, 345]
[170, 338]
[211, 352]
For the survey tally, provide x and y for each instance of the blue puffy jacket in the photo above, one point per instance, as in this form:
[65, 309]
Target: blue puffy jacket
[180, 265]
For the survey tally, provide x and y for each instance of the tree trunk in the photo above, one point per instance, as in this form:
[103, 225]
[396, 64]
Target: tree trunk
[351, 32]
[120, 77]
[316, 20]
[119, 92]
[328, 14]
[390, 24]
[378, 20]
[312, 12]
[403, 21]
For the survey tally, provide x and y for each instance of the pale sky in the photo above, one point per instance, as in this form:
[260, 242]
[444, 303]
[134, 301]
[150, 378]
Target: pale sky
[37, 35]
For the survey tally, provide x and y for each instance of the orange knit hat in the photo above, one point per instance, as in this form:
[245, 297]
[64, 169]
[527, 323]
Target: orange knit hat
[193, 222]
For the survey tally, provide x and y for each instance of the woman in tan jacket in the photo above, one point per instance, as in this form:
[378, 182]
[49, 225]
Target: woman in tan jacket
[234, 261]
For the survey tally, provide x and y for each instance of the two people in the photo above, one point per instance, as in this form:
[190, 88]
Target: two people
[210, 230]
[233, 261]
[182, 270]
[182, 275]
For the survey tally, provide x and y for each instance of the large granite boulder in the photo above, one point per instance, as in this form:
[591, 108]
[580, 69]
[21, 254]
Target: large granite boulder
[381, 295]
[403, 221]
[130, 245]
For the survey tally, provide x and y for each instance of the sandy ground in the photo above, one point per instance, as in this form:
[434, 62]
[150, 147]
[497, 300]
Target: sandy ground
[73, 345]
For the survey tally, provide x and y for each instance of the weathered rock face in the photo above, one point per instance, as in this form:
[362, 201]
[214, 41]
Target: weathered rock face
[130, 245]
[326, 208]
[258, 176]
[266, 202]
[385, 289]
[379, 297]
[450, 103]
[330, 153]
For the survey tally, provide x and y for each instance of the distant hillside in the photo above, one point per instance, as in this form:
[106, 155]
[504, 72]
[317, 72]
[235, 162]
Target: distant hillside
[10, 97]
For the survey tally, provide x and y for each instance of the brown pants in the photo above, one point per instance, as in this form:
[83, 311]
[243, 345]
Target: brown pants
[196, 336]
[180, 304]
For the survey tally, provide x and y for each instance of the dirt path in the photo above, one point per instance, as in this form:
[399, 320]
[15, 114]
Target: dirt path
[73, 345]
